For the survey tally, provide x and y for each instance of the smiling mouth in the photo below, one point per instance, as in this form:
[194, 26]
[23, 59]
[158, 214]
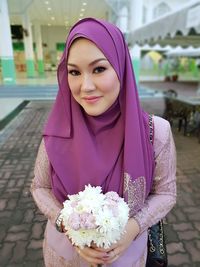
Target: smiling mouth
[91, 99]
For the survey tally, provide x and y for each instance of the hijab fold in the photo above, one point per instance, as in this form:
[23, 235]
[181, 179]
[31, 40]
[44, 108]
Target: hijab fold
[85, 149]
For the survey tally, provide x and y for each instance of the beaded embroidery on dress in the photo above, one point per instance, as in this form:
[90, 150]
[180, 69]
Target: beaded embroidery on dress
[135, 191]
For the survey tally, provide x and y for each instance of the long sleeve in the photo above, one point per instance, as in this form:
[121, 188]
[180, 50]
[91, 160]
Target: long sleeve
[163, 194]
[41, 186]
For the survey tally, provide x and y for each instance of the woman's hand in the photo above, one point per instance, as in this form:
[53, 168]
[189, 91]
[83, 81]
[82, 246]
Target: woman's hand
[116, 250]
[92, 255]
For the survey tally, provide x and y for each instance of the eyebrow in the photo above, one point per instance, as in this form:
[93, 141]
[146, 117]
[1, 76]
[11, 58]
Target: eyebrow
[91, 63]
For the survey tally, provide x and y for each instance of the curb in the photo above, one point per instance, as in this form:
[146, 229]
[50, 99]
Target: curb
[13, 114]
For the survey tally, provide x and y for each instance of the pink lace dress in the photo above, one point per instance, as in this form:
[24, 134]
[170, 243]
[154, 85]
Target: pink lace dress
[58, 250]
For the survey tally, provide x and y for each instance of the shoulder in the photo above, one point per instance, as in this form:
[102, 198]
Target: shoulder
[42, 153]
[161, 127]
[162, 132]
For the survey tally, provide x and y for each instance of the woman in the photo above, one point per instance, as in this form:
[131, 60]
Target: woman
[98, 134]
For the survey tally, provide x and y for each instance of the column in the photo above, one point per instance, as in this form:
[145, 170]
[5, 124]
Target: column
[135, 21]
[122, 22]
[135, 52]
[6, 49]
[28, 43]
[135, 14]
[150, 6]
[39, 50]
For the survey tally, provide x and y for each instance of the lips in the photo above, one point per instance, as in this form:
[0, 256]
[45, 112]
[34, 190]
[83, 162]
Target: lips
[91, 99]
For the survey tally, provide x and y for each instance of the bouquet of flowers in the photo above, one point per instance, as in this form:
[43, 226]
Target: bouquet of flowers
[93, 217]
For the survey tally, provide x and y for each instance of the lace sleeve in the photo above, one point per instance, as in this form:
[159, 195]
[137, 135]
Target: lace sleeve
[163, 194]
[41, 186]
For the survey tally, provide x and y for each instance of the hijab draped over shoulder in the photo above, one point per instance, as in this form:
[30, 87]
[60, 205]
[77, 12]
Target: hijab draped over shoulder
[111, 150]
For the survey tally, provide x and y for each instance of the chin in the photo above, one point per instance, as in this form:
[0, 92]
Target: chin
[94, 112]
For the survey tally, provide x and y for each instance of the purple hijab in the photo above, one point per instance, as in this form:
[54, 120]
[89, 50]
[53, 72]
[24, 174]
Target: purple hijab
[98, 150]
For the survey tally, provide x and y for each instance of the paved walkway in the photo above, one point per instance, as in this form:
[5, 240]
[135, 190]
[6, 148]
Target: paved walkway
[22, 225]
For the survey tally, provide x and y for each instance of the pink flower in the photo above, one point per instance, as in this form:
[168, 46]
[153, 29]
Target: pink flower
[111, 205]
[74, 221]
[112, 196]
[87, 221]
[74, 204]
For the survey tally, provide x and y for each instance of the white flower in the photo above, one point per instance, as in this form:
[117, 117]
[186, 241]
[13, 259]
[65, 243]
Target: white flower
[90, 216]
[123, 212]
[106, 221]
[91, 198]
[81, 237]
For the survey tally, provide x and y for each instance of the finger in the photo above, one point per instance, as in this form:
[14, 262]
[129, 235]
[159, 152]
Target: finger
[90, 256]
[101, 249]
[94, 246]
[93, 252]
[113, 258]
[114, 246]
[91, 260]
[113, 255]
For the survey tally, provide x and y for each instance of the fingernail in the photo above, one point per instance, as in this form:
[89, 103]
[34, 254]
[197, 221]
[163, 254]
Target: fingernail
[105, 257]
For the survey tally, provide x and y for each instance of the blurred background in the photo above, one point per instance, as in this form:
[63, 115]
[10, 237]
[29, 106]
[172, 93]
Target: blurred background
[163, 37]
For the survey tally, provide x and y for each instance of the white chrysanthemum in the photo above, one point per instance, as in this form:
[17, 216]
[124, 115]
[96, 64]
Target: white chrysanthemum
[80, 208]
[108, 239]
[68, 209]
[123, 213]
[91, 198]
[74, 198]
[90, 191]
[82, 237]
[106, 221]
[103, 241]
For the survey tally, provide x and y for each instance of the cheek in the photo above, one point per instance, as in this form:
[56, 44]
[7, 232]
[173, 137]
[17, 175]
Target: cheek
[73, 85]
[110, 83]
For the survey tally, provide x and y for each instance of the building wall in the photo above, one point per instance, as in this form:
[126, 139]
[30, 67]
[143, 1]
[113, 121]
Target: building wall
[51, 37]
[155, 8]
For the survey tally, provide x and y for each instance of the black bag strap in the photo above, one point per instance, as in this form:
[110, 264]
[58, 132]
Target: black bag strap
[157, 252]
[151, 128]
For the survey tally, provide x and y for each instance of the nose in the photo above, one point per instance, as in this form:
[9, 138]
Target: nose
[87, 83]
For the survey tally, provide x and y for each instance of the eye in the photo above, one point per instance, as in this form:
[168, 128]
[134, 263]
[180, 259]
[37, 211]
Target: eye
[99, 69]
[74, 72]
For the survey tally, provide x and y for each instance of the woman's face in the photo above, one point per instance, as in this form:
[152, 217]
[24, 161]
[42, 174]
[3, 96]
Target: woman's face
[92, 80]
